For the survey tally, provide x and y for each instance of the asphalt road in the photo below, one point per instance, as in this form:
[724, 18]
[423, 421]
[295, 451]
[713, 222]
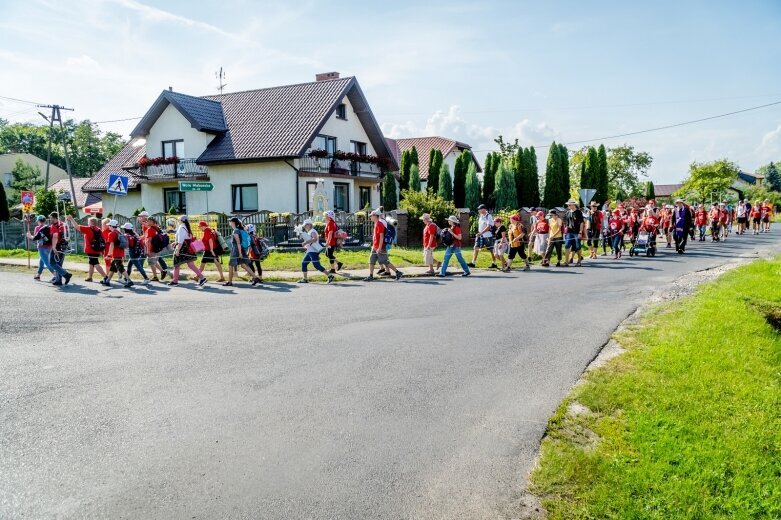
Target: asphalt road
[423, 398]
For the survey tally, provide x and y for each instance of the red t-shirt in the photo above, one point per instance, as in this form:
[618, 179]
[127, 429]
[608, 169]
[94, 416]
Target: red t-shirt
[456, 231]
[56, 231]
[701, 218]
[715, 214]
[89, 233]
[755, 212]
[209, 235]
[723, 216]
[113, 236]
[430, 235]
[378, 237]
[106, 232]
[616, 224]
[596, 220]
[542, 226]
[765, 211]
[330, 228]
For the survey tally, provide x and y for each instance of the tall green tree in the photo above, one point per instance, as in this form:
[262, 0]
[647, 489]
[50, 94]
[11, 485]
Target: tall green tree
[534, 178]
[603, 186]
[505, 196]
[4, 213]
[404, 171]
[45, 201]
[23, 177]
[556, 190]
[472, 195]
[413, 156]
[435, 164]
[414, 178]
[588, 179]
[709, 179]
[649, 190]
[626, 168]
[459, 181]
[772, 177]
[489, 178]
[564, 168]
[520, 177]
[389, 198]
[445, 190]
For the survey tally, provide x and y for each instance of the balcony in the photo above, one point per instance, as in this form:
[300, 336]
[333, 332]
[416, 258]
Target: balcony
[331, 165]
[184, 169]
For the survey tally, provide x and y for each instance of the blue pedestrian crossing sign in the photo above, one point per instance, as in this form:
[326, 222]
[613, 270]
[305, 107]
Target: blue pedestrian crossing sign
[117, 184]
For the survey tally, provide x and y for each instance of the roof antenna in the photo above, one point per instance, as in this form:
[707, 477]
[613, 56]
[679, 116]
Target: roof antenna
[220, 76]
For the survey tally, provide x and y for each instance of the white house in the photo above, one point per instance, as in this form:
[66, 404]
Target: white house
[450, 149]
[263, 149]
[8, 161]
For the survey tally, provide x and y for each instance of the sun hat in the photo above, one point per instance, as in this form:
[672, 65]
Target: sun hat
[183, 218]
[453, 219]
[171, 221]
[376, 212]
[113, 223]
[202, 223]
[40, 218]
[330, 214]
[594, 203]
[425, 216]
[552, 212]
[307, 222]
[540, 214]
[127, 225]
[143, 214]
[250, 228]
[572, 202]
[677, 201]
[515, 218]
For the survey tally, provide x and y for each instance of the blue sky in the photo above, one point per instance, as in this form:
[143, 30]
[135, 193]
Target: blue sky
[537, 71]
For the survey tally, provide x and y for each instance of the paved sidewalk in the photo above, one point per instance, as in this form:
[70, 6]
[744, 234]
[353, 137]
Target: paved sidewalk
[409, 271]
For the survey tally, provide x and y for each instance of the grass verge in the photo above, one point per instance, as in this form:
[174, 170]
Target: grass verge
[686, 423]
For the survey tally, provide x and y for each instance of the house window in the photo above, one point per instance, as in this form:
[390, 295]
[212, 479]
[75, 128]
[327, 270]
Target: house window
[310, 191]
[245, 197]
[173, 148]
[325, 142]
[341, 196]
[7, 178]
[174, 201]
[341, 111]
[366, 196]
[358, 147]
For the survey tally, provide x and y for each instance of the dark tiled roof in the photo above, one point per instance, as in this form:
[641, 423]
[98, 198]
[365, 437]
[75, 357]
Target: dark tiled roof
[424, 145]
[203, 114]
[82, 198]
[750, 178]
[666, 190]
[126, 156]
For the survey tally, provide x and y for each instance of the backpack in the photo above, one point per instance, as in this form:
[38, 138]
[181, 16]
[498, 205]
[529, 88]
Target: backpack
[244, 239]
[447, 238]
[160, 241]
[134, 247]
[45, 235]
[97, 242]
[390, 234]
[263, 248]
[221, 247]
[254, 246]
[121, 241]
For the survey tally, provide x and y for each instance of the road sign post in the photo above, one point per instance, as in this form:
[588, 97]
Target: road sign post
[117, 186]
[586, 194]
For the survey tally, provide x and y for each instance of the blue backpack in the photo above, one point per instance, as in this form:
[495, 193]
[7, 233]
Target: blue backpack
[390, 234]
[244, 239]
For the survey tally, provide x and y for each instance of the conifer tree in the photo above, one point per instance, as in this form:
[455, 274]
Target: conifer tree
[404, 170]
[489, 178]
[414, 178]
[553, 188]
[505, 195]
[534, 178]
[413, 157]
[389, 200]
[433, 172]
[602, 176]
[459, 181]
[521, 178]
[445, 183]
[472, 191]
[564, 170]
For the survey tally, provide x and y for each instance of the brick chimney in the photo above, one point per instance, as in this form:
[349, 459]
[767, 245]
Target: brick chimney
[324, 76]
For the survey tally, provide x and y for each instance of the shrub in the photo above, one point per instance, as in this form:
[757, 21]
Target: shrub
[416, 203]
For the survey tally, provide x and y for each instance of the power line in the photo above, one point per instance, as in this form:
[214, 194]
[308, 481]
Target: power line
[20, 100]
[675, 125]
[117, 120]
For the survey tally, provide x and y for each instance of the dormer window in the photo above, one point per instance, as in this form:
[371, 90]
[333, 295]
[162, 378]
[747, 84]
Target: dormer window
[341, 111]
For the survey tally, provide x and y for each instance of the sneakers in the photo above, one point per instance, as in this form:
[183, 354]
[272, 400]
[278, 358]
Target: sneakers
[67, 277]
[255, 281]
[147, 281]
[470, 264]
[464, 275]
[339, 266]
[202, 281]
[303, 280]
[57, 283]
[129, 283]
[173, 283]
[163, 275]
[369, 278]
[492, 266]
[382, 272]
[398, 276]
[330, 278]
[37, 277]
[155, 279]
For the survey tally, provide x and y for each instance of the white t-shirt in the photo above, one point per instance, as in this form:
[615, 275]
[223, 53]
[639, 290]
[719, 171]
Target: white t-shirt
[181, 234]
[485, 222]
[741, 211]
[314, 247]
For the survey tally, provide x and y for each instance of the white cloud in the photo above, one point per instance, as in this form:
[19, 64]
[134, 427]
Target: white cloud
[82, 62]
[770, 147]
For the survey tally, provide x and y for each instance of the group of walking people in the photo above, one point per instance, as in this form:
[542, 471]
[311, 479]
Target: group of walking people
[107, 244]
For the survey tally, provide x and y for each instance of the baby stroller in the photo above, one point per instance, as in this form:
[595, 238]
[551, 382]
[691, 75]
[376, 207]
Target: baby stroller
[644, 243]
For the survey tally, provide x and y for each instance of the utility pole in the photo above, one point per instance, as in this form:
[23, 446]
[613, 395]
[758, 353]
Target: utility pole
[56, 116]
[221, 77]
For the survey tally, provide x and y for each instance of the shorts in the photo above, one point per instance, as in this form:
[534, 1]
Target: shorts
[379, 257]
[235, 261]
[501, 249]
[519, 251]
[756, 220]
[742, 220]
[208, 258]
[572, 241]
[481, 242]
[765, 219]
[428, 256]
[330, 252]
[93, 259]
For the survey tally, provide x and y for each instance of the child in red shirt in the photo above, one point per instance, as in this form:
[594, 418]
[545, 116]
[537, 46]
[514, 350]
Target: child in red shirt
[115, 255]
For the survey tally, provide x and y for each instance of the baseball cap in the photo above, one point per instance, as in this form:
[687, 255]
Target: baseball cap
[127, 225]
[143, 214]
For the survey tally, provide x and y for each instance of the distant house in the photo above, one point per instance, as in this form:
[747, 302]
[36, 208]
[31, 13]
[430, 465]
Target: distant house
[261, 149]
[450, 149]
[82, 198]
[664, 192]
[746, 180]
[8, 160]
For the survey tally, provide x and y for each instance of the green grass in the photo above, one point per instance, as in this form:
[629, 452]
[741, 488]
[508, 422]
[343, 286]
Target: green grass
[686, 424]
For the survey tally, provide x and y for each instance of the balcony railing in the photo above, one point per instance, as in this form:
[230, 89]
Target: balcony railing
[335, 166]
[183, 169]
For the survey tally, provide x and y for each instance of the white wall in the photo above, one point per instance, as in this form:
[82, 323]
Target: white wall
[353, 189]
[170, 126]
[126, 206]
[346, 130]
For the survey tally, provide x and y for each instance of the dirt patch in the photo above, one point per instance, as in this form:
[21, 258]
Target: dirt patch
[770, 311]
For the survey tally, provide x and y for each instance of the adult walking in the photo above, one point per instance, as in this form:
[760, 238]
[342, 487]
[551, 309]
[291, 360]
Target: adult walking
[616, 229]
[682, 222]
[539, 235]
[94, 245]
[767, 215]
[594, 228]
[501, 243]
[555, 239]
[255, 252]
[57, 254]
[42, 237]
[516, 236]
[485, 236]
[136, 255]
[183, 253]
[331, 239]
[153, 243]
[239, 245]
[211, 249]
[430, 232]
[452, 239]
[312, 249]
[701, 221]
[116, 243]
[574, 231]
[379, 251]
